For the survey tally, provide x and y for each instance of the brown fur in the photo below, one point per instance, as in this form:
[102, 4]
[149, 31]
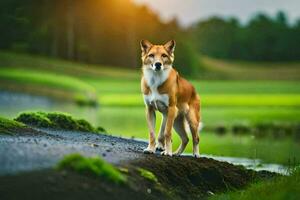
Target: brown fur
[184, 103]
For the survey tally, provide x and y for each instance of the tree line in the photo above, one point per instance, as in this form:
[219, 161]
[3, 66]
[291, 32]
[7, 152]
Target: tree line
[92, 31]
[108, 33]
[263, 38]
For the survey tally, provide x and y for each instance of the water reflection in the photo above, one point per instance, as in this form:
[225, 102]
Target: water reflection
[12, 103]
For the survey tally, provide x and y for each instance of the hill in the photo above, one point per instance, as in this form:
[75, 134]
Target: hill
[250, 70]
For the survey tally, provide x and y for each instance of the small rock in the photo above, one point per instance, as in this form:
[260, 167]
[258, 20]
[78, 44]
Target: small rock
[149, 190]
[94, 145]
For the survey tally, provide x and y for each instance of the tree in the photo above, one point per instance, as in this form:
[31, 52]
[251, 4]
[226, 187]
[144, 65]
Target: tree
[263, 38]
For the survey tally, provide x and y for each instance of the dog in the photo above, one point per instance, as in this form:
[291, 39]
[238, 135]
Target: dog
[164, 90]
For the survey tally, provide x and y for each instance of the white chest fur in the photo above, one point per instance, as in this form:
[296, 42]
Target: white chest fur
[154, 80]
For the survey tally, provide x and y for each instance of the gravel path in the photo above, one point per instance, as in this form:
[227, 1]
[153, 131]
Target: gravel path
[25, 153]
[34, 152]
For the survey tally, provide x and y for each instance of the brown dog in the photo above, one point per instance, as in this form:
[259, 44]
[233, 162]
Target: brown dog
[164, 90]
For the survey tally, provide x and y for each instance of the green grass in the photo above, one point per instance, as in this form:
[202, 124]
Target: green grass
[13, 127]
[273, 96]
[34, 62]
[52, 84]
[95, 166]
[243, 70]
[41, 78]
[223, 103]
[148, 175]
[120, 86]
[130, 122]
[56, 120]
[213, 93]
[247, 86]
[53, 77]
[9, 127]
[287, 188]
[212, 100]
[284, 151]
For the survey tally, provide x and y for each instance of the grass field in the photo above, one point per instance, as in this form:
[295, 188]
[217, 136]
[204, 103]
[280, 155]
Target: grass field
[245, 70]
[280, 188]
[121, 109]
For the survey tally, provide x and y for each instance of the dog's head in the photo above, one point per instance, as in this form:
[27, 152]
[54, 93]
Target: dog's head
[157, 57]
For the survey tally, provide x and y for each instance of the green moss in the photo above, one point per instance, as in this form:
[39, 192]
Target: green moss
[55, 120]
[91, 166]
[123, 170]
[37, 119]
[101, 130]
[148, 175]
[10, 127]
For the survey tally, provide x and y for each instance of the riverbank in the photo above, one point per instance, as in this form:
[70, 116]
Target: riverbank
[28, 161]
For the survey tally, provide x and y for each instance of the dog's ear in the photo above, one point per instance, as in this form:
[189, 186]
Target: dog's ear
[170, 46]
[145, 45]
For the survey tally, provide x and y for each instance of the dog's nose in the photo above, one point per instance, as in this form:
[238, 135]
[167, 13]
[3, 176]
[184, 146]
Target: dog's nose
[157, 66]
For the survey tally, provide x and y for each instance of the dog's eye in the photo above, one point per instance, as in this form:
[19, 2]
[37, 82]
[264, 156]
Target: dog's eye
[151, 55]
[164, 55]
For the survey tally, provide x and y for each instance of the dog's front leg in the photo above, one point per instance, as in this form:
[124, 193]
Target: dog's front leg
[171, 115]
[160, 146]
[151, 118]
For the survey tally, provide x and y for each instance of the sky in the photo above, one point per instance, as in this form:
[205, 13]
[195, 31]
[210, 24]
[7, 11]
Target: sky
[190, 11]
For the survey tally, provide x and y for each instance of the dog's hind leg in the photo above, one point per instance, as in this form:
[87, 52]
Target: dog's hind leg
[180, 129]
[193, 117]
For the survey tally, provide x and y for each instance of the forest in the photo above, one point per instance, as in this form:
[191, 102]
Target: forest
[85, 31]
[263, 38]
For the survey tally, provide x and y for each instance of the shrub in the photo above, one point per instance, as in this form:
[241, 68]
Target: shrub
[37, 119]
[221, 130]
[56, 120]
[241, 129]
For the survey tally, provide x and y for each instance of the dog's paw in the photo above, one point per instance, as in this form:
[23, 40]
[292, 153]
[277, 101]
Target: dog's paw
[165, 153]
[159, 148]
[176, 154]
[148, 151]
[196, 155]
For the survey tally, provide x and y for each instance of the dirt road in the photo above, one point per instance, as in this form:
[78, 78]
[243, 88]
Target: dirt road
[32, 152]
